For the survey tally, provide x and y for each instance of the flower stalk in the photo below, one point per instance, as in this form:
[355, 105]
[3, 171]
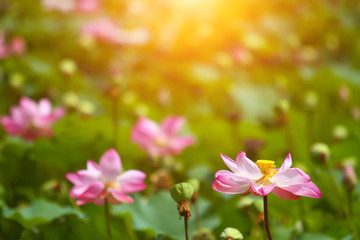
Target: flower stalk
[183, 208]
[266, 218]
[115, 122]
[186, 228]
[344, 209]
[107, 217]
[182, 193]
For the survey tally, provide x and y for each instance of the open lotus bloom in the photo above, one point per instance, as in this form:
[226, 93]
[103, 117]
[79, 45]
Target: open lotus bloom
[102, 29]
[31, 120]
[163, 139]
[105, 181]
[261, 178]
[61, 6]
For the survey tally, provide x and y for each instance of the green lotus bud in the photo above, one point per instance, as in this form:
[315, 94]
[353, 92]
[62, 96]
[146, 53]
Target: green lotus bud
[68, 66]
[71, 100]
[320, 151]
[16, 80]
[311, 100]
[195, 183]
[340, 132]
[282, 106]
[86, 107]
[245, 201]
[203, 234]
[182, 191]
[231, 233]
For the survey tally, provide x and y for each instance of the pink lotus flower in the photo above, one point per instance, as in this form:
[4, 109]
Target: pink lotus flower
[61, 6]
[133, 37]
[17, 46]
[31, 120]
[107, 30]
[103, 29]
[88, 5]
[161, 140]
[261, 178]
[104, 181]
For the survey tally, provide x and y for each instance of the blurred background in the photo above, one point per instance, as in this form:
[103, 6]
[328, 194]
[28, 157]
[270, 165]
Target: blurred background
[267, 77]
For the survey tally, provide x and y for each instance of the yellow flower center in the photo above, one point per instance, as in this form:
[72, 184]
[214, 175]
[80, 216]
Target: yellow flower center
[266, 168]
[161, 141]
[110, 184]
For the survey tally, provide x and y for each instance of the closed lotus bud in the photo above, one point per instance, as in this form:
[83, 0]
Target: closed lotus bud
[203, 234]
[355, 113]
[141, 109]
[245, 201]
[71, 100]
[86, 108]
[344, 93]
[68, 67]
[282, 106]
[182, 192]
[340, 132]
[311, 100]
[16, 80]
[320, 152]
[349, 178]
[231, 234]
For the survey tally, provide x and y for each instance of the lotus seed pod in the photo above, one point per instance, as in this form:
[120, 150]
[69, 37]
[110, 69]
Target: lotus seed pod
[231, 233]
[182, 191]
[71, 100]
[282, 107]
[340, 132]
[68, 67]
[320, 152]
[311, 100]
[195, 183]
[86, 108]
[16, 80]
[203, 234]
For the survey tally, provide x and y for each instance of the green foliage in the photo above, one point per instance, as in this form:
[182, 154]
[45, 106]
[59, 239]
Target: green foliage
[154, 213]
[283, 73]
[38, 212]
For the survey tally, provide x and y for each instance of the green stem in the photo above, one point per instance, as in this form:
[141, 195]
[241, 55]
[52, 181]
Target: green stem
[288, 137]
[350, 202]
[131, 232]
[107, 216]
[266, 218]
[186, 228]
[310, 127]
[344, 208]
[197, 215]
[302, 213]
[115, 122]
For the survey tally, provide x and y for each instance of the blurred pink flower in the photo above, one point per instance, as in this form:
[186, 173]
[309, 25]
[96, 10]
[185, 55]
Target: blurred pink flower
[261, 178]
[88, 5]
[104, 181]
[133, 37]
[102, 29]
[161, 140]
[17, 46]
[4, 52]
[59, 5]
[105, 29]
[31, 120]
